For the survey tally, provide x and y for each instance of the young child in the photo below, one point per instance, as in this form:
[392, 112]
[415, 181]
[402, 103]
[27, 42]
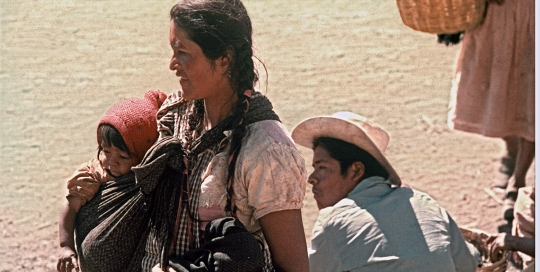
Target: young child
[124, 134]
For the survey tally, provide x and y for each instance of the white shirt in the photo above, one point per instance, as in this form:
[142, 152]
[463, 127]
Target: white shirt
[379, 228]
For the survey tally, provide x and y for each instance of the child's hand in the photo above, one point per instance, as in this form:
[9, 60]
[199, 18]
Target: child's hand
[67, 260]
[157, 268]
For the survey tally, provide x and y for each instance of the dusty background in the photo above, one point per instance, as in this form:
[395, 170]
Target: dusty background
[63, 63]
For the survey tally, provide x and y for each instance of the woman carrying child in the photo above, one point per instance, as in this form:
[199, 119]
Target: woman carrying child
[241, 160]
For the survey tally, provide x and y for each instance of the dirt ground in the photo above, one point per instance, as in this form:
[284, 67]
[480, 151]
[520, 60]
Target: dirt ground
[64, 62]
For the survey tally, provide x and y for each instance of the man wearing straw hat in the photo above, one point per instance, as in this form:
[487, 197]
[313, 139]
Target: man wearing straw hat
[366, 220]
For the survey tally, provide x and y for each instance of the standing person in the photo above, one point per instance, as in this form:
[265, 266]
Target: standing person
[241, 161]
[124, 133]
[494, 94]
[365, 222]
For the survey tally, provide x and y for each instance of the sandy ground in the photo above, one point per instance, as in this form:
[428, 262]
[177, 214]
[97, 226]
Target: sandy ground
[63, 63]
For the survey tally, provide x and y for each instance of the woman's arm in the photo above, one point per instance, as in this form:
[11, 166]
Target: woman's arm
[284, 233]
[503, 241]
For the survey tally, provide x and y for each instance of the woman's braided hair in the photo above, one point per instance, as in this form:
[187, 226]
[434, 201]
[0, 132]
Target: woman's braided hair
[222, 28]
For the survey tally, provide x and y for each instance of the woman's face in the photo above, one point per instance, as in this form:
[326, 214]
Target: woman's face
[198, 77]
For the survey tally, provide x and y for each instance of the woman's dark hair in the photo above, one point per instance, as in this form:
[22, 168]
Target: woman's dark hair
[222, 28]
[347, 153]
[110, 136]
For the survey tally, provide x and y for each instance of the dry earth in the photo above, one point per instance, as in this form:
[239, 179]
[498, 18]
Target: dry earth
[64, 62]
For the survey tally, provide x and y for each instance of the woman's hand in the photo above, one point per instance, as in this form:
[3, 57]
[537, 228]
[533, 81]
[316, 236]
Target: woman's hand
[157, 268]
[502, 241]
[67, 260]
[496, 245]
[498, 2]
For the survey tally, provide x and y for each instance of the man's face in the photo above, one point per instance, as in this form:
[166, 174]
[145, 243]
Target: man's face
[329, 185]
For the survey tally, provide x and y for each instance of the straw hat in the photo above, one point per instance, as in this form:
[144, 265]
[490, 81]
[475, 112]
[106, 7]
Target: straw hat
[351, 128]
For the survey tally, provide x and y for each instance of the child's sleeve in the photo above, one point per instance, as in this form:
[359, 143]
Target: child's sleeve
[85, 181]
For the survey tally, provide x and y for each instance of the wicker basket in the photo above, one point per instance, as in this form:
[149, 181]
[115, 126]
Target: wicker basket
[442, 16]
[478, 239]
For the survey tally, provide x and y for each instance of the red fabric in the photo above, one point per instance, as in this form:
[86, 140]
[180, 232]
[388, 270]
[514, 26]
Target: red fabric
[135, 119]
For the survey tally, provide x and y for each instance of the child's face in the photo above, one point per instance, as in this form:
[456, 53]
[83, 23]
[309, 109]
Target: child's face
[115, 161]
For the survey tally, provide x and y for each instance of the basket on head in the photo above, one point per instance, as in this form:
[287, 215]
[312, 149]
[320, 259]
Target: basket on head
[478, 238]
[442, 16]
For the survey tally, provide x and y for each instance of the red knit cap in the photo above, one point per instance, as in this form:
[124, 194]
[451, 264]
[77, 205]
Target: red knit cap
[135, 119]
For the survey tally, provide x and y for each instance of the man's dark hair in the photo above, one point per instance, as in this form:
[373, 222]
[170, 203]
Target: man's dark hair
[347, 153]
